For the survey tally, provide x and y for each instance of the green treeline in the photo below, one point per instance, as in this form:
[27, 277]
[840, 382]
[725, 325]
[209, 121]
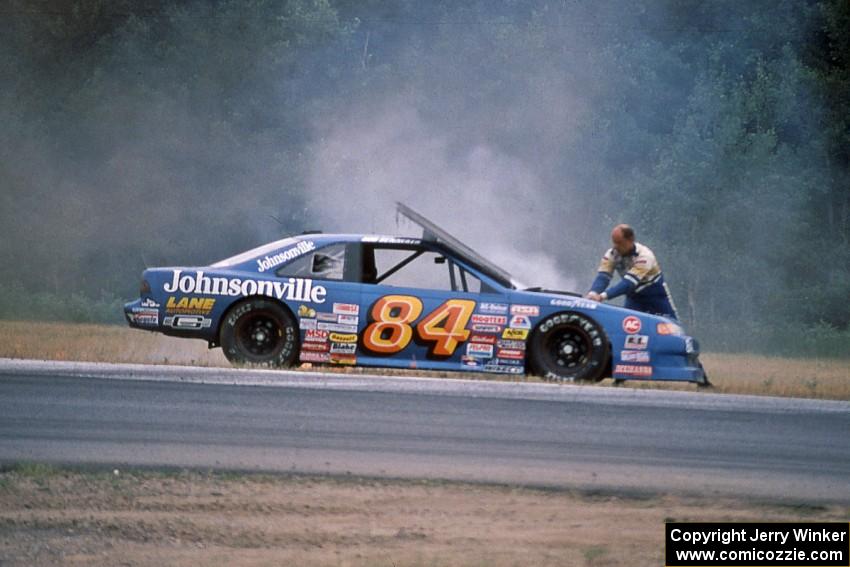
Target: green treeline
[169, 133]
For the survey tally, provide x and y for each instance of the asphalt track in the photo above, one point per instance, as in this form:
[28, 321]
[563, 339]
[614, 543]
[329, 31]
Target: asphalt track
[596, 438]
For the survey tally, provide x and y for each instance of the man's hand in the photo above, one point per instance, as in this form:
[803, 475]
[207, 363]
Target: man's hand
[593, 296]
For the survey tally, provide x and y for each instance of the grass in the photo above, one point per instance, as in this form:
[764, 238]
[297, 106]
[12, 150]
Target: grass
[731, 373]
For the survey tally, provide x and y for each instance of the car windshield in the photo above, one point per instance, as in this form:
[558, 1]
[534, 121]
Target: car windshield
[254, 252]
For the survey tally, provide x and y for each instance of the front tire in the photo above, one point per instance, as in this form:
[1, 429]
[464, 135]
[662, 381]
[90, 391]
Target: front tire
[260, 332]
[569, 347]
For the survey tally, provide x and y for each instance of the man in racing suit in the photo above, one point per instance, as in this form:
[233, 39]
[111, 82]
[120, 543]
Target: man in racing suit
[642, 281]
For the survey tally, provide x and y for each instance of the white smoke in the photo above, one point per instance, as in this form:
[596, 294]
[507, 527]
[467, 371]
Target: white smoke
[488, 199]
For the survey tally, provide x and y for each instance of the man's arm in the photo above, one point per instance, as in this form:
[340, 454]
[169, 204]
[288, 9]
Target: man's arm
[603, 276]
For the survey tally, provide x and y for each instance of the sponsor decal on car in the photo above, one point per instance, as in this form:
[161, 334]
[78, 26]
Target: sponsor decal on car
[509, 361]
[308, 356]
[347, 359]
[493, 308]
[343, 337]
[511, 353]
[315, 335]
[637, 342]
[631, 325]
[633, 370]
[467, 360]
[316, 347]
[578, 303]
[149, 303]
[346, 309]
[294, 289]
[503, 369]
[634, 356]
[530, 310]
[487, 328]
[343, 348]
[187, 322]
[348, 319]
[515, 334]
[486, 339]
[479, 350]
[520, 322]
[327, 317]
[275, 260]
[489, 319]
[304, 311]
[307, 323]
[337, 327]
[390, 240]
[190, 305]
[520, 345]
[145, 317]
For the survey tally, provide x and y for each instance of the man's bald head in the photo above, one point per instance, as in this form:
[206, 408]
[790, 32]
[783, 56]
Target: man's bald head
[623, 238]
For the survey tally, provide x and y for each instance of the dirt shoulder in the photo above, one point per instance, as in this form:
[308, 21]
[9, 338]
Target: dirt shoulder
[52, 516]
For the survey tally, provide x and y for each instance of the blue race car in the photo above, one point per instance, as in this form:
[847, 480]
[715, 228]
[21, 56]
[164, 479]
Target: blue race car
[427, 303]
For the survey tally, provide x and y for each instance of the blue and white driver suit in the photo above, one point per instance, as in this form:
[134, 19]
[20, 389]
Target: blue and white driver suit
[642, 281]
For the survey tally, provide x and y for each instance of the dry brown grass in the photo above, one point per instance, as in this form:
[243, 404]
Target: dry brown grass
[51, 516]
[730, 373]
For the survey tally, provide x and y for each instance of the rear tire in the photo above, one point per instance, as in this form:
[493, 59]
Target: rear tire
[569, 347]
[260, 332]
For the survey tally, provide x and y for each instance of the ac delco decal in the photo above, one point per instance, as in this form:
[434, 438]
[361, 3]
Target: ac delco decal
[631, 325]
[489, 319]
[633, 370]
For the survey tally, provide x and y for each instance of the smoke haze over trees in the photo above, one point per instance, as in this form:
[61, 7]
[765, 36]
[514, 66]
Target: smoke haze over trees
[165, 133]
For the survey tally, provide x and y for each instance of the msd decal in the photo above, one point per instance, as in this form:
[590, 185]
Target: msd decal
[631, 325]
[299, 249]
[294, 289]
[316, 336]
[633, 370]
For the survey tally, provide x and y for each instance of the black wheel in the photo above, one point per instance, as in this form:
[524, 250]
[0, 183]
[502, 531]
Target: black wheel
[259, 332]
[569, 347]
